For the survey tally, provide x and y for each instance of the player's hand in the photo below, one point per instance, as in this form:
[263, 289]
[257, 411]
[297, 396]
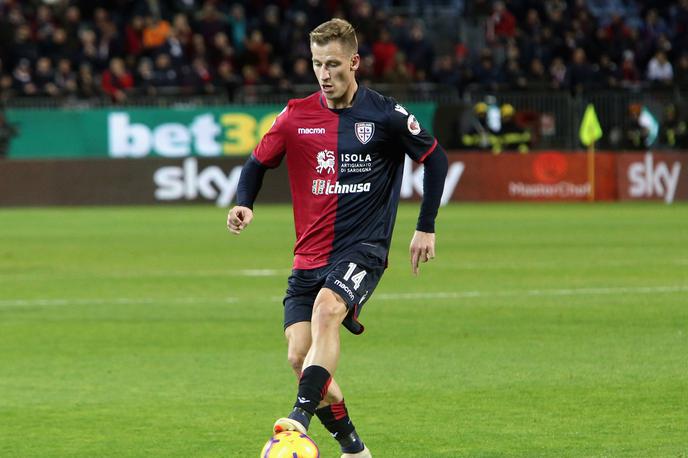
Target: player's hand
[238, 218]
[422, 249]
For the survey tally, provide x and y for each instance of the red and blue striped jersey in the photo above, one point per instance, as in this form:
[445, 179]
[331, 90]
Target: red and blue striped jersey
[345, 168]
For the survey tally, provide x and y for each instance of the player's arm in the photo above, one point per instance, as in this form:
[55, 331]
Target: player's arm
[422, 147]
[268, 154]
[250, 183]
[422, 246]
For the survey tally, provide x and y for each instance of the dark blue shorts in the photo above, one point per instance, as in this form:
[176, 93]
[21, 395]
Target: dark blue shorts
[354, 277]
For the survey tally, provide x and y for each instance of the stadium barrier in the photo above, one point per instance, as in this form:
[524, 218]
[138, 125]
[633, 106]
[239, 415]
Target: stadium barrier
[476, 177]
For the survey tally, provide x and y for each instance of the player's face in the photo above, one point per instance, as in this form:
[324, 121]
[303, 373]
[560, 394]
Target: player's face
[335, 67]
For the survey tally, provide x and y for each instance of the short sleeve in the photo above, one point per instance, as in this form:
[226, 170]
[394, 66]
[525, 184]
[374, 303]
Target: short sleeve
[413, 139]
[273, 145]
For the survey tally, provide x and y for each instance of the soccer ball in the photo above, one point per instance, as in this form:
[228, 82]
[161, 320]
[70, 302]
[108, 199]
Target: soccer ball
[290, 444]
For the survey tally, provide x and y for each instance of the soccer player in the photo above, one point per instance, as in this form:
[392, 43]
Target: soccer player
[345, 147]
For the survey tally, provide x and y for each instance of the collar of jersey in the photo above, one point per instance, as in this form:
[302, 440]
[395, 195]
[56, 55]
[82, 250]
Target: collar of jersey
[358, 95]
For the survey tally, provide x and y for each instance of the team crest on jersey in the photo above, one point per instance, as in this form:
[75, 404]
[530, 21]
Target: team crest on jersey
[325, 160]
[413, 125]
[364, 131]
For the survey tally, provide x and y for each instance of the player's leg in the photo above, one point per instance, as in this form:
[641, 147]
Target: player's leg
[332, 410]
[329, 310]
[299, 342]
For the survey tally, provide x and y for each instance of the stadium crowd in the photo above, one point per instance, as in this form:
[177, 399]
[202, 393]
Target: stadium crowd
[122, 48]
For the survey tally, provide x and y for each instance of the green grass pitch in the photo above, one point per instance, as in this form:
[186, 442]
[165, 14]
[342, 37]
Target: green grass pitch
[539, 330]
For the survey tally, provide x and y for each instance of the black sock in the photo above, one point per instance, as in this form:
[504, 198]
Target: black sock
[335, 418]
[312, 388]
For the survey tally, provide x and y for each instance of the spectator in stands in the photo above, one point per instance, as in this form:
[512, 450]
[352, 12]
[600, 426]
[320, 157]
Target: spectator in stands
[514, 77]
[276, 78]
[175, 49]
[257, 52]
[133, 38]
[90, 53]
[44, 78]
[537, 75]
[88, 86]
[511, 136]
[635, 135]
[301, 72]
[198, 47]
[533, 25]
[56, 46]
[384, 51]
[226, 80]
[681, 72]
[485, 73]
[43, 25]
[558, 73]
[660, 70]
[447, 71]
[23, 47]
[201, 77]
[154, 8]
[5, 84]
[674, 129]
[220, 50]
[210, 21]
[653, 27]
[72, 25]
[271, 28]
[608, 73]
[238, 26]
[22, 79]
[679, 24]
[399, 74]
[501, 24]
[182, 31]
[580, 73]
[630, 76]
[363, 20]
[117, 81]
[479, 134]
[523, 36]
[298, 37]
[155, 32]
[164, 73]
[420, 54]
[145, 77]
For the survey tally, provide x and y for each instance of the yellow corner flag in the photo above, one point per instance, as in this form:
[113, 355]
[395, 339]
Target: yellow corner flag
[590, 129]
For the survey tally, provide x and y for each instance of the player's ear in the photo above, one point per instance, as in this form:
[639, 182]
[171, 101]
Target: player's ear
[355, 62]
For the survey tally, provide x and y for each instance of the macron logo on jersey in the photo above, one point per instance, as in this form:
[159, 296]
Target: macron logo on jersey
[311, 130]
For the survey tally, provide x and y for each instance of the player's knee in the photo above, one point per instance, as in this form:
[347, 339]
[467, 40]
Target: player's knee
[295, 359]
[328, 312]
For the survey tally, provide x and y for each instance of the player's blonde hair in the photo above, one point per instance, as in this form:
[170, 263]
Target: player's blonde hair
[335, 30]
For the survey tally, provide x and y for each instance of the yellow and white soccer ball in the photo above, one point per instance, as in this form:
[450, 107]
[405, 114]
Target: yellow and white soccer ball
[290, 444]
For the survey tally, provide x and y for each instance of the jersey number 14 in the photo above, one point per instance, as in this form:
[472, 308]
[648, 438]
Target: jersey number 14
[358, 278]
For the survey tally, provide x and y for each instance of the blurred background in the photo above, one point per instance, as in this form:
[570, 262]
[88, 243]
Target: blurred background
[180, 91]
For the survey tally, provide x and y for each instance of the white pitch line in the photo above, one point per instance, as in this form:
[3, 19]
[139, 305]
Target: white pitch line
[115, 300]
[155, 274]
[381, 296]
[534, 292]
[515, 293]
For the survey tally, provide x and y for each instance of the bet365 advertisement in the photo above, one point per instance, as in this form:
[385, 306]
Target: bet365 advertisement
[136, 133]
